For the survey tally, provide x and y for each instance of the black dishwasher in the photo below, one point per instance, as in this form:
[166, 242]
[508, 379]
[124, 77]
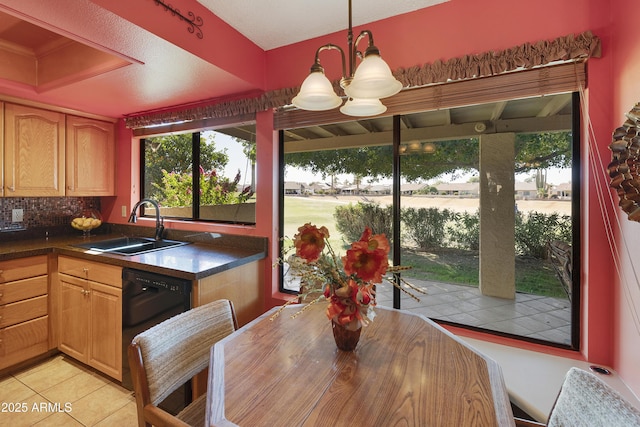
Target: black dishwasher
[148, 299]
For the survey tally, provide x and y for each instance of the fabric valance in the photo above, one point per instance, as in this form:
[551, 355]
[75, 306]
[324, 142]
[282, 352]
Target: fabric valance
[527, 56]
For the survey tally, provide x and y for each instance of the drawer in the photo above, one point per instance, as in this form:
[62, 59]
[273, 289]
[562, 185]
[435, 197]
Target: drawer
[23, 289]
[21, 311]
[24, 336]
[95, 271]
[22, 268]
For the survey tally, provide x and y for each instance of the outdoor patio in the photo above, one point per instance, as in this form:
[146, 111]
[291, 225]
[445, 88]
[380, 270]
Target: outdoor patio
[528, 315]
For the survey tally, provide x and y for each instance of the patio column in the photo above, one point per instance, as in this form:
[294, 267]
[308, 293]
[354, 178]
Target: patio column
[497, 215]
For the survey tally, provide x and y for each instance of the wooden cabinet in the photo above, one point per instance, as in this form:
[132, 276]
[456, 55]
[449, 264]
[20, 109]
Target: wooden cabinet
[24, 320]
[34, 152]
[241, 285]
[90, 327]
[90, 159]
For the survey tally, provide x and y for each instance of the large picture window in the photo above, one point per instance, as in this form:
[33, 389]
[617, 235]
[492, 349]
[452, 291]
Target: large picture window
[483, 198]
[207, 175]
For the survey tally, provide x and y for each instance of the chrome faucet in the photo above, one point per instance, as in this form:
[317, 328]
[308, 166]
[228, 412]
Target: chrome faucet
[159, 220]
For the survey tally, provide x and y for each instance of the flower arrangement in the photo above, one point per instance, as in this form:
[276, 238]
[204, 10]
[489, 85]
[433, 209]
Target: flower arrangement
[347, 282]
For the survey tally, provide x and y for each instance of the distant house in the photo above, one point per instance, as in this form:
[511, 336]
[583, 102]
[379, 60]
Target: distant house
[319, 188]
[460, 189]
[352, 189]
[562, 191]
[526, 190]
[409, 189]
[294, 188]
[380, 189]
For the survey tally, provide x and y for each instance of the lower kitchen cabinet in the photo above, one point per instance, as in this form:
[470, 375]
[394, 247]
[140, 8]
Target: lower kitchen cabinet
[90, 326]
[242, 285]
[24, 317]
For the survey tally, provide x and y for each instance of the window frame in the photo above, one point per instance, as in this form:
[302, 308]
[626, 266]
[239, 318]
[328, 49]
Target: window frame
[195, 166]
[396, 250]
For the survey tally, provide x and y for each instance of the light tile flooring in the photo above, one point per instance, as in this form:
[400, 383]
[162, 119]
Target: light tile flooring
[533, 316]
[63, 393]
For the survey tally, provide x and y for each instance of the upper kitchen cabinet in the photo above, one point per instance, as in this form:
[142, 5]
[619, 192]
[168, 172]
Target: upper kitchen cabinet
[34, 155]
[90, 157]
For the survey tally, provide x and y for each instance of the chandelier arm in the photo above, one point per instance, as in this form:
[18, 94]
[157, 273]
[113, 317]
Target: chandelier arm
[329, 46]
[371, 48]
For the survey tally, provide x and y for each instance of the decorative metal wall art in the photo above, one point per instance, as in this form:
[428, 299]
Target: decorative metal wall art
[194, 22]
[623, 169]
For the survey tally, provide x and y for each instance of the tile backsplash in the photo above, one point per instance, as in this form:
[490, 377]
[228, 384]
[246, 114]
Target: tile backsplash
[42, 212]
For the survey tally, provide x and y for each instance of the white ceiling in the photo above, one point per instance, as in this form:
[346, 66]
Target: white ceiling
[275, 23]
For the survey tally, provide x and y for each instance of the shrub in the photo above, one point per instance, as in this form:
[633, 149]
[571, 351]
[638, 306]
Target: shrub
[464, 233]
[176, 189]
[352, 219]
[426, 226]
[534, 230]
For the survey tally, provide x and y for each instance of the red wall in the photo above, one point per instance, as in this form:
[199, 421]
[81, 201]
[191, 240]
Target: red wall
[610, 325]
[611, 291]
[625, 87]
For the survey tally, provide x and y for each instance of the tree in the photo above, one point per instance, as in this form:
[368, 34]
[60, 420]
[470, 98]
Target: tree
[249, 150]
[533, 151]
[174, 153]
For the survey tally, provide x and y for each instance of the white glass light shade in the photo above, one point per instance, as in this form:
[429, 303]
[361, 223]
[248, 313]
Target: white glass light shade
[361, 107]
[316, 94]
[373, 79]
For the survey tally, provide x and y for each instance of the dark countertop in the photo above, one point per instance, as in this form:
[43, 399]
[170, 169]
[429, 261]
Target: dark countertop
[205, 255]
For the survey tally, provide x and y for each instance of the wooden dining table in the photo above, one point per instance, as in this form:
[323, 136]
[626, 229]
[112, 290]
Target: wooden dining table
[405, 371]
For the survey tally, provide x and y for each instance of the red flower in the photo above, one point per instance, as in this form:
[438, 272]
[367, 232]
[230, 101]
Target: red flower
[367, 257]
[310, 241]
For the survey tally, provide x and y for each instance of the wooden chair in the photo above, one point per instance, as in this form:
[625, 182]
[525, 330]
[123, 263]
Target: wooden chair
[585, 400]
[166, 356]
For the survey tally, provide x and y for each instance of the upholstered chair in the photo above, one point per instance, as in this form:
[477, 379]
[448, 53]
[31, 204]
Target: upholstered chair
[166, 356]
[586, 401]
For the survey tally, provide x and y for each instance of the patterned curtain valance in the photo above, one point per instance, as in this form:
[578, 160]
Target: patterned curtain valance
[526, 56]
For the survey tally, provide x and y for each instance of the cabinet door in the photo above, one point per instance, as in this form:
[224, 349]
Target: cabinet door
[34, 157]
[105, 344]
[74, 317]
[90, 157]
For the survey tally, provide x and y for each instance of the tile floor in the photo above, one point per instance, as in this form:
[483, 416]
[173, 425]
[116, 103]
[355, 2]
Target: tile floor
[533, 316]
[63, 393]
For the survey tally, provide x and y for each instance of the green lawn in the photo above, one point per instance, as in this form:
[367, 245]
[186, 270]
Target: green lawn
[447, 266]
[300, 210]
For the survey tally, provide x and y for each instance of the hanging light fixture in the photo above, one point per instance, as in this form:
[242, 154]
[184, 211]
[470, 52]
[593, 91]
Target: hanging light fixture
[370, 82]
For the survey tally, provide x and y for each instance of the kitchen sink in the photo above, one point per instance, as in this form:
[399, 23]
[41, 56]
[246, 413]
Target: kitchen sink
[130, 245]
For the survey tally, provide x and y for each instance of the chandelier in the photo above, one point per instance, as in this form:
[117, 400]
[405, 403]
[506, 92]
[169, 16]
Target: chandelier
[371, 81]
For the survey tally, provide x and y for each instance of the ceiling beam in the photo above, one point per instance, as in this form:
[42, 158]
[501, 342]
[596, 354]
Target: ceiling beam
[433, 133]
[555, 105]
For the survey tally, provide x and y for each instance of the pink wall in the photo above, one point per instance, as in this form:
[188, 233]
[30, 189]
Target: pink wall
[221, 46]
[625, 82]
[610, 333]
[611, 329]
[448, 30]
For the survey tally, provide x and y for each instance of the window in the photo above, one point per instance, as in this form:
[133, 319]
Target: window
[207, 175]
[487, 208]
